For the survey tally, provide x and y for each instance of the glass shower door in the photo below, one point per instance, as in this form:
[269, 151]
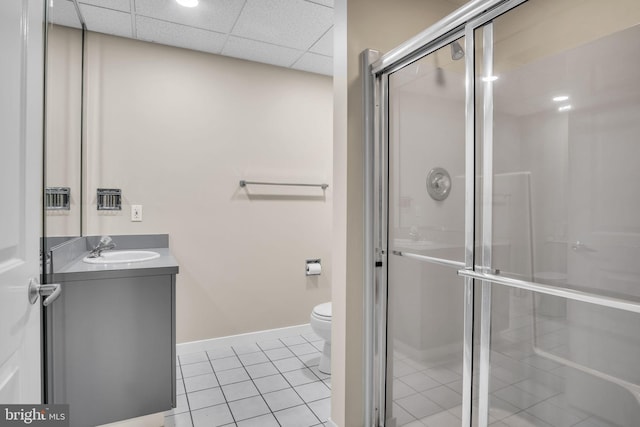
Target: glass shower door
[426, 240]
[559, 100]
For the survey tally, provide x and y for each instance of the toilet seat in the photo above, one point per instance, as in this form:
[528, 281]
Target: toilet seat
[322, 311]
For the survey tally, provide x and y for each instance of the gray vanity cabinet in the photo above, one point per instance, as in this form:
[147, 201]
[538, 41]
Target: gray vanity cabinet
[110, 340]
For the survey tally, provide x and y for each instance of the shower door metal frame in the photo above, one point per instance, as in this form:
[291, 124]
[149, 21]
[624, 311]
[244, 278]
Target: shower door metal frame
[464, 21]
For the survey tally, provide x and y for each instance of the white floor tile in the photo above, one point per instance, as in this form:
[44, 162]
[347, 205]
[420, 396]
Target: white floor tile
[212, 416]
[267, 420]
[246, 348]
[220, 352]
[322, 408]
[271, 383]
[203, 398]
[282, 399]
[288, 364]
[443, 396]
[194, 369]
[441, 419]
[200, 382]
[226, 363]
[248, 408]
[261, 370]
[179, 420]
[419, 381]
[270, 344]
[299, 416]
[300, 376]
[313, 391]
[232, 376]
[419, 406]
[294, 340]
[278, 353]
[301, 349]
[187, 359]
[311, 359]
[253, 358]
[241, 390]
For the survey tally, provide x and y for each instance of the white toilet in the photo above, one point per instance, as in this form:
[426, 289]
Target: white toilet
[321, 325]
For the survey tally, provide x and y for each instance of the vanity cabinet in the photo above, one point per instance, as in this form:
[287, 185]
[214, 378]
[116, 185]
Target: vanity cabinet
[110, 342]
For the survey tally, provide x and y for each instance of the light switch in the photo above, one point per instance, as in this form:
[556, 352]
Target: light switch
[136, 213]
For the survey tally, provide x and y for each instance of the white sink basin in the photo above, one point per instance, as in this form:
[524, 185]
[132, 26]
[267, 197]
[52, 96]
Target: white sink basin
[120, 257]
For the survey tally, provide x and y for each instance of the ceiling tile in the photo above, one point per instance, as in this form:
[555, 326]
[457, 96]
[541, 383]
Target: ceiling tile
[260, 52]
[291, 23]
[315, 64]
[328, 3]
[121, 5]
[324, 46]
[64, 13]
[106, 21]
[179, 35]
[214, 15]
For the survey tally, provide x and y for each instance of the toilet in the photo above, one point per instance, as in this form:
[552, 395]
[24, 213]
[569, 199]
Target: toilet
[321, 325]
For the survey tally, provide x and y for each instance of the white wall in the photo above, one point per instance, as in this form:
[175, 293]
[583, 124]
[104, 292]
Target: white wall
[176, 130]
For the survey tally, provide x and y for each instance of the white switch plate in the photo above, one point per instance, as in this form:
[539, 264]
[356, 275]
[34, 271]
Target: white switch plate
[136, 213]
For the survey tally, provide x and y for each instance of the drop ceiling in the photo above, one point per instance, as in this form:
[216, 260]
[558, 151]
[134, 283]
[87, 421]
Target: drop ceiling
[295, 34]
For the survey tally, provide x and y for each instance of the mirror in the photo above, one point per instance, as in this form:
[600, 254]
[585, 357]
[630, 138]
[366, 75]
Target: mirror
[63, 123]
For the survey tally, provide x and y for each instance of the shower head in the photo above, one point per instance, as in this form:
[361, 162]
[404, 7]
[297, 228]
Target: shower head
[457, 52]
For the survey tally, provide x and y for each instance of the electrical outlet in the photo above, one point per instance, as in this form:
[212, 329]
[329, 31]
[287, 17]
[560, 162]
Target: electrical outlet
[136, 213]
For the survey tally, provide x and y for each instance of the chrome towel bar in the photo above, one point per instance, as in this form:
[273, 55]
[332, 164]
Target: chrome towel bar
[244, 183]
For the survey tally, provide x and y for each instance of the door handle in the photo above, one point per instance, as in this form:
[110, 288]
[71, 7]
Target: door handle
[51, 291]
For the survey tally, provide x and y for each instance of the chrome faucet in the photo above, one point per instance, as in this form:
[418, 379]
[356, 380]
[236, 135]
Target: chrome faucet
[104, 244]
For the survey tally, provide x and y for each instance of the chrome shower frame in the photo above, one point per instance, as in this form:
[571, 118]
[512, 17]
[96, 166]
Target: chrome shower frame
[376, 70]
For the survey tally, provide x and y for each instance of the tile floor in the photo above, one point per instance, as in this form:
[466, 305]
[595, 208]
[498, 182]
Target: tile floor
[526, 389]
[274, 382]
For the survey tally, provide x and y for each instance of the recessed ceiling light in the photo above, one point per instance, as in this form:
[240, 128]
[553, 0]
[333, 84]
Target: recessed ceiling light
[560, 98]
[490, 79]
[188, 3]
[564, 108]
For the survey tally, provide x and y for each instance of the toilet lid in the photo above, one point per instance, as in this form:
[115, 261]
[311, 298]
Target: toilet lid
[322, 310]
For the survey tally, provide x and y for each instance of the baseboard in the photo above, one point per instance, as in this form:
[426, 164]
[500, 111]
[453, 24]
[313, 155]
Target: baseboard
[330, 423]
[240, 339]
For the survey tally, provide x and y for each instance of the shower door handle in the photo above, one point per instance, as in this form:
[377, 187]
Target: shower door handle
[578, 246]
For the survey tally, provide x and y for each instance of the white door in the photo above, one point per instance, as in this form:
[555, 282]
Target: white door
[21, 76]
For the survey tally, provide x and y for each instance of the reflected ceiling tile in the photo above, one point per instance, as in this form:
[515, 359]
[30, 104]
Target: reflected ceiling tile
[260, 52]
[106, 21]
[64, 13]
[122, 5]
[315, 64]
[291, 23]
[179, 35]
[324, 46]
[214, 15]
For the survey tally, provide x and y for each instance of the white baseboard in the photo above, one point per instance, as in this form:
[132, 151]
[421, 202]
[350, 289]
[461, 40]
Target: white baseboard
[248, 338]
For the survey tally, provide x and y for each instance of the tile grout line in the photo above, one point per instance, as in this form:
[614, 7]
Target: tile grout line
[296, 391]
[226, 402]
[253, 382]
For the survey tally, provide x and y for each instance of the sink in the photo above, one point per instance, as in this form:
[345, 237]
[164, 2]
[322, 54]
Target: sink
[121, 257]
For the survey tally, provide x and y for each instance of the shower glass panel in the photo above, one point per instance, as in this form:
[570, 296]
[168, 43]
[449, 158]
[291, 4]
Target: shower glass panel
[426, 239]
[563, 103]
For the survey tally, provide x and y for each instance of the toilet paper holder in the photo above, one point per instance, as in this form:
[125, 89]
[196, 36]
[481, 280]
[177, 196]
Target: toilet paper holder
[313, 267]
